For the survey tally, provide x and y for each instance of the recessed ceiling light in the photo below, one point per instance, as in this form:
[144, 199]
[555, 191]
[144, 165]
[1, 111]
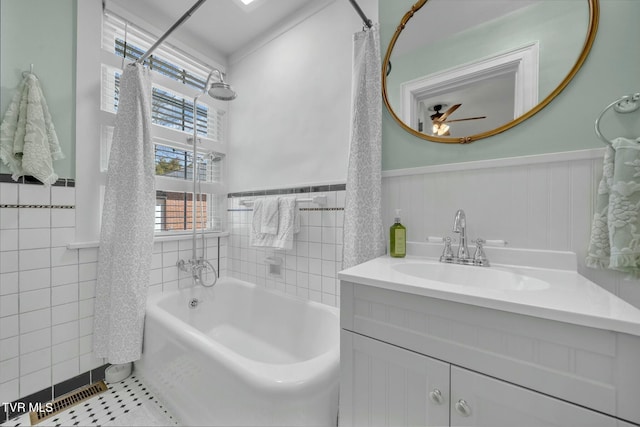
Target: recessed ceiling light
[249, 5]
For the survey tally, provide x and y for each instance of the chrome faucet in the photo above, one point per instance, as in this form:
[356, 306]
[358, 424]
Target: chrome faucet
[460, 226]
[479, 258]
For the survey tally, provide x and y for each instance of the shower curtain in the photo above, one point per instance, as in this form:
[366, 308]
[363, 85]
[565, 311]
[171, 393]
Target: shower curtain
[363, 231]
[126, 237]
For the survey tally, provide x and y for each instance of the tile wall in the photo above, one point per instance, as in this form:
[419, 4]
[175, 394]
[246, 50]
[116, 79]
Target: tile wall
[47, 290]
[309, 269]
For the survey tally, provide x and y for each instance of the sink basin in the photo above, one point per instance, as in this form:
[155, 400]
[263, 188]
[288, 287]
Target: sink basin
[477, 277]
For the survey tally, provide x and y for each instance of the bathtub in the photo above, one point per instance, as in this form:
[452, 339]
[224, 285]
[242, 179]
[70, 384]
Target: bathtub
[244, 355]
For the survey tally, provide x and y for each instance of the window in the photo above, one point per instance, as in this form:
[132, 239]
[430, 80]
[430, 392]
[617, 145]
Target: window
[177, 79]
[127, 50]
[174, 211]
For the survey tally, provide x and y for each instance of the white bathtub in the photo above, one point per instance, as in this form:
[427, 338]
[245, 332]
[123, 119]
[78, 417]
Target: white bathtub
[244, 356]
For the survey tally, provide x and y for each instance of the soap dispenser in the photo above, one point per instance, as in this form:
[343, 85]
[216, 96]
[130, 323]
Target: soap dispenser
[398, 238]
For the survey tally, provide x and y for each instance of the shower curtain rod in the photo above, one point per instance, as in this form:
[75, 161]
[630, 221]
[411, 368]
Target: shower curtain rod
[368, 22]
[179, 22]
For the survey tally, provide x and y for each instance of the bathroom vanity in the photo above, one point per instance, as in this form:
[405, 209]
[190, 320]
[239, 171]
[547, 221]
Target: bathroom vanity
[432, 344]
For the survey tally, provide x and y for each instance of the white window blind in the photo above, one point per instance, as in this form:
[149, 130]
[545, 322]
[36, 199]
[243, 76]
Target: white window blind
[176, 80]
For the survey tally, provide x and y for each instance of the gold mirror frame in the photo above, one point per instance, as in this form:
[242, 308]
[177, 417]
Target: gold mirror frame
[594, 14]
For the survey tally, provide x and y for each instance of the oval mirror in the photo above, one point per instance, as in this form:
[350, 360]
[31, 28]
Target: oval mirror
[458, 71]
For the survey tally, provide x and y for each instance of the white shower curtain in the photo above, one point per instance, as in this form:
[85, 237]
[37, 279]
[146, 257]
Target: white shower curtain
[363, 230]
[126, 237]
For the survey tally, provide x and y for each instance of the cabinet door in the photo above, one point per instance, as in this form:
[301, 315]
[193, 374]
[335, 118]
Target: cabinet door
[384, 385]
[478, 400]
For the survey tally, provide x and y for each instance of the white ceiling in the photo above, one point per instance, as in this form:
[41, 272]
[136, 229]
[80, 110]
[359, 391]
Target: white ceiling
[219, 28]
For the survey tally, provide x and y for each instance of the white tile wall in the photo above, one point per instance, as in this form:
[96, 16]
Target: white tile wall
[47, 290]
[309, 269]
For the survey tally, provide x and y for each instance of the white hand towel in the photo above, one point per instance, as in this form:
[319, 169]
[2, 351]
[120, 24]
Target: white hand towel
[256, 234]
[28, 141]
[270, 215]
[288, 225]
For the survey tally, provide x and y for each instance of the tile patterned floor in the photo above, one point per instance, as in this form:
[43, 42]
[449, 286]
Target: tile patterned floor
[127, 403]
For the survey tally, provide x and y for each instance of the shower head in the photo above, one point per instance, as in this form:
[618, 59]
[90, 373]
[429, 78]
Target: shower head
[219, 90]
[222, 91]
[216, 157]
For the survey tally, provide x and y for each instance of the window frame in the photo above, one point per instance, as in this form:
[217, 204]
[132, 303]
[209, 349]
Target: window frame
[91, 120]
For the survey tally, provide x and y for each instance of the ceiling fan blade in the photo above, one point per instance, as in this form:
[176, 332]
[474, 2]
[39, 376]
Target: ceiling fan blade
[462, 120]
[447, 113]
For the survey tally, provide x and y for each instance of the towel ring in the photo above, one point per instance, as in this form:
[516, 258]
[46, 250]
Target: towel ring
[624, 104]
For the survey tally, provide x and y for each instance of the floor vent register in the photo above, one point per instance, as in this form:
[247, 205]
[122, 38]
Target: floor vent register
[68, 400]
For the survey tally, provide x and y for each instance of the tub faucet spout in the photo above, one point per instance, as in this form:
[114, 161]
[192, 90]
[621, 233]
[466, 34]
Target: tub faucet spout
[460, 226]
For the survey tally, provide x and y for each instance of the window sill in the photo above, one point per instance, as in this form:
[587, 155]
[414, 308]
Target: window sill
[156, 239]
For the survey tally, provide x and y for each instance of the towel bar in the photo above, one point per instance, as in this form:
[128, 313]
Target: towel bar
[624, 104]
[320, 199]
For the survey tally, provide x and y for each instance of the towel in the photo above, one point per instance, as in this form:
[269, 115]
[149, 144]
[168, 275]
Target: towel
[28, 140]
[615, 230]
[270, 215]
[288, 225]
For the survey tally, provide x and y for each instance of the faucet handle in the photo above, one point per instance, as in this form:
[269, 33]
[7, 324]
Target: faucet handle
[480, 258]
[447, 253]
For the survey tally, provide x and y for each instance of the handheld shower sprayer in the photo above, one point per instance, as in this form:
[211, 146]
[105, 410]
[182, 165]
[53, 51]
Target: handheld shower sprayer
[199, 267]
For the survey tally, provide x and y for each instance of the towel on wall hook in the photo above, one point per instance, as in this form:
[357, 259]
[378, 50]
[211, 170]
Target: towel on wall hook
[26, 73]
[28, 140]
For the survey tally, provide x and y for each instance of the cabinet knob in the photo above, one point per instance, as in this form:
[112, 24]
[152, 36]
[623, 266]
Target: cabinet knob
[436, 396]
[463, 408]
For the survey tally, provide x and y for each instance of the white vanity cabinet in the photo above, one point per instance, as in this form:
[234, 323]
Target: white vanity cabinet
[384, 385]
[478, 400]
[411, 360]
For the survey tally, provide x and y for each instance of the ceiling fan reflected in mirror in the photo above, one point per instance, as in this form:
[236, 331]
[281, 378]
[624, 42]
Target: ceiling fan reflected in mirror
[439, 119]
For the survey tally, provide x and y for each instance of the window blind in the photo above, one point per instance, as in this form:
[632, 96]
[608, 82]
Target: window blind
[172, 110]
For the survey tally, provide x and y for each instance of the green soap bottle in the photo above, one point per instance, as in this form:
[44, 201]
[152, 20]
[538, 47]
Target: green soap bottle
[398, 238]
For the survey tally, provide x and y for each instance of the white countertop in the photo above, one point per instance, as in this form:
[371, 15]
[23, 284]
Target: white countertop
[570, 298]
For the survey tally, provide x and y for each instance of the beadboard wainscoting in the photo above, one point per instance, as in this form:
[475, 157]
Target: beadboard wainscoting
[535, 202]
[310, 268]
[47, 290]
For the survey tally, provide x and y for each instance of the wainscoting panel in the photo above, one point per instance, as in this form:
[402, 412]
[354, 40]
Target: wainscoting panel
[534, 203]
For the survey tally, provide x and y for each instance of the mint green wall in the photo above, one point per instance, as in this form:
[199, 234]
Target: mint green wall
[566, 124]
[42, 33]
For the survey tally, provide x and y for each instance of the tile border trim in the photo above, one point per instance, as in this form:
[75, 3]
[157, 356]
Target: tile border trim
[61, 182]
[294, 190]
[37, 207]
[50, 393]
